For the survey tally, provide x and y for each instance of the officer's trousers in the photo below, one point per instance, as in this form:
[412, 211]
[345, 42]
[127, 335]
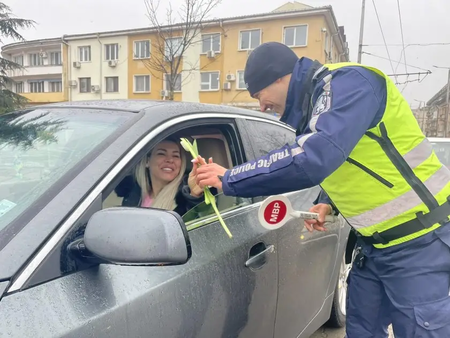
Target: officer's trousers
[406, 285]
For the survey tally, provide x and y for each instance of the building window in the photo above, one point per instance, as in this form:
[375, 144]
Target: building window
[37, 87]
[112, 84]
[211, 42]
[18, 59]
[84, 53]
[210, 81]
[36, 60]
[250, 39]
[55, 58]
[176, 83]
[142, 49]
[55, 86]
[142, 83]
[19, 87]
[112, 52]
[240, 83]
[295, 36]
[85, 84]
[173, 47]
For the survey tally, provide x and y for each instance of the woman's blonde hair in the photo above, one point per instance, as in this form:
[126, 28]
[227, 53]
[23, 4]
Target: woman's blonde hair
[166, 197]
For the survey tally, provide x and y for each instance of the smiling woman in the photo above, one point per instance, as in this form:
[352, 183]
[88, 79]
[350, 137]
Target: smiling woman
[160, 181]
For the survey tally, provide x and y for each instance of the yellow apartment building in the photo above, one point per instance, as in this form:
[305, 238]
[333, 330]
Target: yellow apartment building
[222, 49]
[128, 63]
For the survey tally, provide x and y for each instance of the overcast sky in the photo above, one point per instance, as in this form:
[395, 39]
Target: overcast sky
[424, 22]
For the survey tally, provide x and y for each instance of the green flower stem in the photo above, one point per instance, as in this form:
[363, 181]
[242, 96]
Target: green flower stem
[209, 197]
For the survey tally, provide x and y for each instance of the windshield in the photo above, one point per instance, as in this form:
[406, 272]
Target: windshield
[38, 147]
[442, 150]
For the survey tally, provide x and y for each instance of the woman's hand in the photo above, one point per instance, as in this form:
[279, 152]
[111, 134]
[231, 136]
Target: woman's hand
[196, 190]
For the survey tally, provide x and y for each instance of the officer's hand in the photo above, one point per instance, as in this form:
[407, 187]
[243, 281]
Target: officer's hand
[208, 175]
[322, 209]
[196, 190]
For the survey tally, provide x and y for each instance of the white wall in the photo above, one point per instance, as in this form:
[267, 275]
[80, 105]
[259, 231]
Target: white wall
[97, 69]
[191, 78]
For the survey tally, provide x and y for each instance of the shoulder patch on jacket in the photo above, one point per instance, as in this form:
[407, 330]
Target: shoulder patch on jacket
[323, 103]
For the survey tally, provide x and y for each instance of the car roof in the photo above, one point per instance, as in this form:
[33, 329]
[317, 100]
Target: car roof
[439, 139]
[155, 106]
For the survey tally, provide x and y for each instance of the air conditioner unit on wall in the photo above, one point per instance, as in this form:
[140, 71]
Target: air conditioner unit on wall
[231, 77]
[73, 83]
[95, 88]
[210, 54]
[112, 63]
[76, 64]
[226, 86]
[164, 93]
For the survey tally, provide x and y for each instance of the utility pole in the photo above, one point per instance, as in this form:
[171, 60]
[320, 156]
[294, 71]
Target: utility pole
[361, 30]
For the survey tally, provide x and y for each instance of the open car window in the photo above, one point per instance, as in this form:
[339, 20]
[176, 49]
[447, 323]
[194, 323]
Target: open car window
[442, 150]
[204, 213]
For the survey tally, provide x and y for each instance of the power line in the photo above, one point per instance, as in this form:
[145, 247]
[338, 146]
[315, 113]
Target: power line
[410, 44]
[403, 41]
[381, 57]
[382, 33]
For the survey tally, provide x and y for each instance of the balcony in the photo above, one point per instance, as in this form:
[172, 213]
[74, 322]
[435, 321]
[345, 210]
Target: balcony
[35, 71]
[44, 97]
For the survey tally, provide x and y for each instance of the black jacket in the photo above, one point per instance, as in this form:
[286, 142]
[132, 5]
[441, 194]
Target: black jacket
[131, 193]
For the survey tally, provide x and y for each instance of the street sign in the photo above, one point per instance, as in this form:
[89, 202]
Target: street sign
[277, 210]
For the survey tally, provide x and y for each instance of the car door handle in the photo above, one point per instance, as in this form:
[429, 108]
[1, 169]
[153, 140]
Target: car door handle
[257, 260]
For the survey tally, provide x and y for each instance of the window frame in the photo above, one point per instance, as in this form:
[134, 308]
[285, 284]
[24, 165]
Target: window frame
[149, 49]
[21, 84]
[37, 82]
[165, 47]
[50, 83]
[106, 84]
[249, 46]
[51, 58]
[237, 80]
[108, 46]
[89, 86]
[149, 84]
[39, 57]
[211, 42]
[18, 56]
[181, 82]
[80, 48]
[210, 72]
[283, 32]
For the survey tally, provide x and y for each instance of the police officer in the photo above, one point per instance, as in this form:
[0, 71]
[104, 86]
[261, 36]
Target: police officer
[358, 139]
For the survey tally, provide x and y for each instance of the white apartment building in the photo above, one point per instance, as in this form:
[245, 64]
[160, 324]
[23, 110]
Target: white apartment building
[40, 79]
[97, 67]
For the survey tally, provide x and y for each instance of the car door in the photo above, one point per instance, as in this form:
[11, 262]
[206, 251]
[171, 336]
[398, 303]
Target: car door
[228, 288]
[306, 260]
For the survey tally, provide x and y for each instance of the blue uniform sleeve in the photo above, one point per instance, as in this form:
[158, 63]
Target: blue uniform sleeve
[350, 102]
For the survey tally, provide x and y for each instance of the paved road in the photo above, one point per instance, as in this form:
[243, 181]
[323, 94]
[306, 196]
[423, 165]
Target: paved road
[334, 333]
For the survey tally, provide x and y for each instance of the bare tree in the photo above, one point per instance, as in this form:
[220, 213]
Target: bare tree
[180, 30]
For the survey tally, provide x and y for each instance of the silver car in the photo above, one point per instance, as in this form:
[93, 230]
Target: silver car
[75, 263]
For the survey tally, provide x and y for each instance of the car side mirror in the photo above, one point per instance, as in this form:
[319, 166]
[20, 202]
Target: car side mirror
[137, 236]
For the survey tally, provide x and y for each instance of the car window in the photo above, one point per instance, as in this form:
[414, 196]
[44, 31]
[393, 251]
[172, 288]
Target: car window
[38, 147]
[267, 136]
[442, 150]
[204, 213]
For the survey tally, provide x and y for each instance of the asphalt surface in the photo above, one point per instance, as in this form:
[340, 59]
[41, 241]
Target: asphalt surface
[336, 333]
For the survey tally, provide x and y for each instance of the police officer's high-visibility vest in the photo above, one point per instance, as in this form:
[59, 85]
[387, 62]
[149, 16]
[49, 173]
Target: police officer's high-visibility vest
[391, 174]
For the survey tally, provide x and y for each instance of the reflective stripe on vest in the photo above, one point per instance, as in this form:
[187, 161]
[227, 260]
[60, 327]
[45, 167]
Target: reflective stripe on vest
[390, 175]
